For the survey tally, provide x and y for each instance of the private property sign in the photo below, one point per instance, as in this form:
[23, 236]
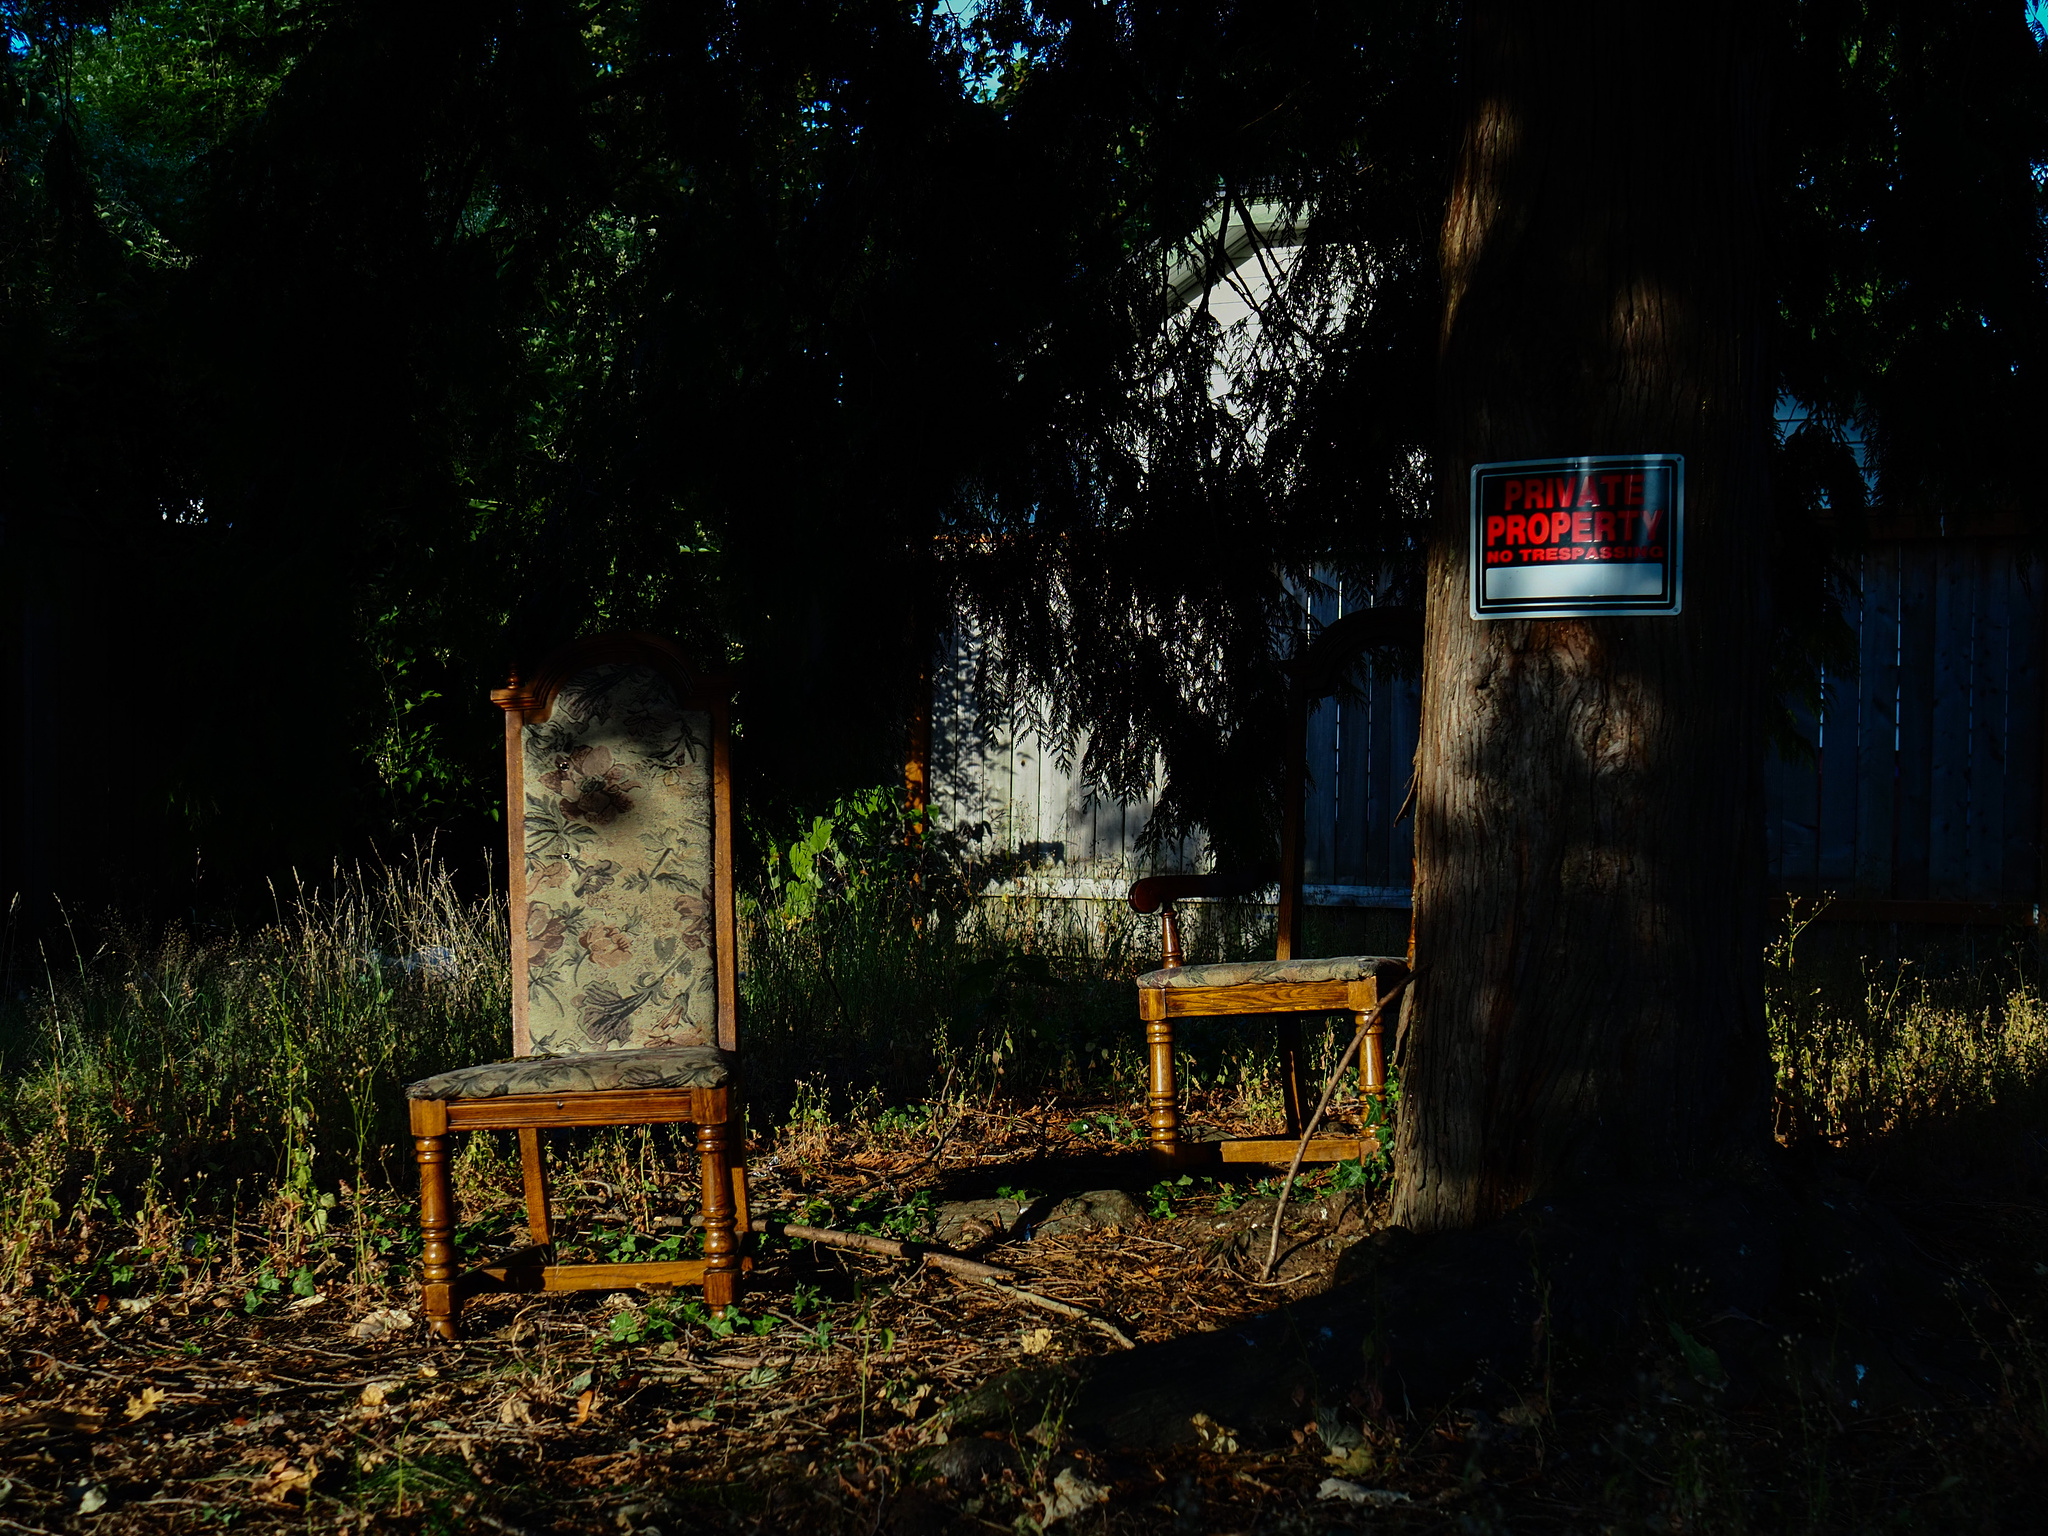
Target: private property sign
[1570, 538]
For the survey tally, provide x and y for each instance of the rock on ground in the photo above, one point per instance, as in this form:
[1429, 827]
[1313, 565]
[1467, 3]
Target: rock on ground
[971, 1224]
[1099, 1210]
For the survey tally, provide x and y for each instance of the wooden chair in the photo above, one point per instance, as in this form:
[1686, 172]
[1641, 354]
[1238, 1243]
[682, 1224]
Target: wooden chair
[624, 973]
[1286, 986]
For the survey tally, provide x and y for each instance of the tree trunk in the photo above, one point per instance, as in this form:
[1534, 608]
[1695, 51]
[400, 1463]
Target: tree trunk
[1589, 812]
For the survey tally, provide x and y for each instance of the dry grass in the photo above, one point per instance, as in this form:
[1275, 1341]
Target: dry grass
[1868, 1049]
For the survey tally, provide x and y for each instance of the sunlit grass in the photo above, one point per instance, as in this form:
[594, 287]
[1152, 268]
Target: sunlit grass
[1867, 1048]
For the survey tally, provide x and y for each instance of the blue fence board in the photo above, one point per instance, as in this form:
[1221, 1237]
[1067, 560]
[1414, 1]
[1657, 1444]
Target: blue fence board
[1835, 817]
[1949, 774]
[1798, 809]
[1916, 720]
[1990, 662]
[2020, 874]
[1877, 758]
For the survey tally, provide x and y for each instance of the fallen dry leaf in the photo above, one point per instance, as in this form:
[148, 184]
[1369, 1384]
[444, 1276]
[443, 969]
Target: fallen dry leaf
[586, 1405]
[1070, 1494]
[381, 1323]
[516, 1409]
[143, 1404]
[376, 1393]
[1035, 1341]
[281, 1482]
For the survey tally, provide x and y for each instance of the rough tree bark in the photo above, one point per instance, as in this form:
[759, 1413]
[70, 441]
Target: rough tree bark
[1588, 826]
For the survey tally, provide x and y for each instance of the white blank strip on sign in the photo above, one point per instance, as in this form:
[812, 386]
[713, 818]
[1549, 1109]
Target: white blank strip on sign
[1589, 578]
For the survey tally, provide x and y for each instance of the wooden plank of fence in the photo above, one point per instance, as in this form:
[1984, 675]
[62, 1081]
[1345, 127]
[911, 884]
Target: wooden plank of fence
[1984, 856]
[1032, 773]
[1877, 678]
[1324, 605]
[1354, 784]
[1835, 816]
[1378, 868]
[1024, 779]
[2021, 875]
[1916, 719]
[1404, 728]
[1003, 784]
[1319, 820]
[1948, 827]
[1799, 807]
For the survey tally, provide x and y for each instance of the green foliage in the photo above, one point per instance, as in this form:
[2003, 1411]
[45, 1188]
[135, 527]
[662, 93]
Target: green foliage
[1162, 1194]
[262, 1291]
[665, 1320]
[1120, 1130]
[1700, 1361]
[861, 852]
[1355, 1173]
[909, 1221]
[427, 1487]
[635, 1325]
[622, 1247]
[868, 968]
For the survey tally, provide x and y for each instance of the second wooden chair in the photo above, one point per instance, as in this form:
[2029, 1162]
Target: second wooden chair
[1287, 986]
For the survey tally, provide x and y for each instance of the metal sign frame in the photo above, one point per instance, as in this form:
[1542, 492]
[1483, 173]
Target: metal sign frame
[1594, 561]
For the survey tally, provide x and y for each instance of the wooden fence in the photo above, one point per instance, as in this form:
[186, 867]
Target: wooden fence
[1358, 846]
[1923, 785]
[1916, 796]
[1006, 777]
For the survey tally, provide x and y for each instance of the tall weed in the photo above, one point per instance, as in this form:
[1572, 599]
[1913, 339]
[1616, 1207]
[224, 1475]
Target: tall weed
[1869, 1048]
[275, 1061]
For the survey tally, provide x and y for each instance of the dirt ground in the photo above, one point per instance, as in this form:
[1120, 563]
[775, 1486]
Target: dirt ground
[868, 1394]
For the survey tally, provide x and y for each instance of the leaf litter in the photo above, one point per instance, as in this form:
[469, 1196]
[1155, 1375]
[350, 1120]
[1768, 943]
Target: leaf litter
[821, 1402]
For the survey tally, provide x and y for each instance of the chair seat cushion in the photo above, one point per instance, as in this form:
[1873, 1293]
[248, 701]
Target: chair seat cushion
[1266, 972]
[675, 1066]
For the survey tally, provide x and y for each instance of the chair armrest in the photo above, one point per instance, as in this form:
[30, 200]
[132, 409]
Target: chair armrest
[1156, 891]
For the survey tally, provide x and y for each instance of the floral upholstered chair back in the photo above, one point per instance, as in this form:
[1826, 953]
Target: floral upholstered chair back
[620, 868]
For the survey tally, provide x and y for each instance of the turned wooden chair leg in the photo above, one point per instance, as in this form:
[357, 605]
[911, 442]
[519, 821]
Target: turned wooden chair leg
[533, 1162]
[1290, 1073]
[438, 1298]
[721, 1243]
[1162, 1097]
[1372, 1061]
